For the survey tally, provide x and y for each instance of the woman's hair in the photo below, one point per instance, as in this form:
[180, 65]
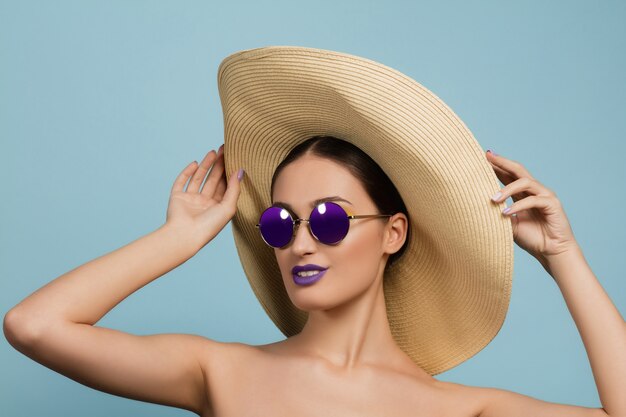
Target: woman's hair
[376, 183]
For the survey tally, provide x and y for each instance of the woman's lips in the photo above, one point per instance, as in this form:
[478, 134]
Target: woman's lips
[308, 280]
[307, 267]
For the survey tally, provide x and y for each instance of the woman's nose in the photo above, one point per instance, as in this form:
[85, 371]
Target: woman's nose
[303, 241]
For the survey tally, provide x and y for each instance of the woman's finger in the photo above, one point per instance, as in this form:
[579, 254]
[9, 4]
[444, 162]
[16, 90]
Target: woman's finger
[203, 168]
[504, 177]
[214, 176]
[221, 188]
[521, 188]
[232, 192]
[512, 167]
[181, 180]
[533, 201]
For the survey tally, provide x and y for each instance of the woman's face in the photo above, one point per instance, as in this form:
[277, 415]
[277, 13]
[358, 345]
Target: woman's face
[355, 263]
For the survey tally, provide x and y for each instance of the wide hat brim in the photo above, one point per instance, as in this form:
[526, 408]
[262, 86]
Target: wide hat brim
[448, 295]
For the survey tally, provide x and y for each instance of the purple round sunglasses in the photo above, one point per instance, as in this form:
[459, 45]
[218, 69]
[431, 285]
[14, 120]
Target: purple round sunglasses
[328, 223]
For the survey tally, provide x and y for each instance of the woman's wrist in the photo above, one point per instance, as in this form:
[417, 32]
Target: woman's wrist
[185, 235]
[560, 264]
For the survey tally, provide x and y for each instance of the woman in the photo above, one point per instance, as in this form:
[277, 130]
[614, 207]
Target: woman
[346, 357]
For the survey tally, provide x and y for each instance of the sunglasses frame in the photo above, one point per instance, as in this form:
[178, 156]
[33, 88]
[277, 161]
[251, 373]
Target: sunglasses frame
[296, 223]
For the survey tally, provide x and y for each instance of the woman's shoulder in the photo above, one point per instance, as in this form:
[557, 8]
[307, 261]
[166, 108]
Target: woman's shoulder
[222, 359]
[222, 353]
[462, 397]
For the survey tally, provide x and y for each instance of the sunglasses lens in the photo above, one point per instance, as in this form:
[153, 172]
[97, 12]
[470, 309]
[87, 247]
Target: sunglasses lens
[329, 223]
[276, 226]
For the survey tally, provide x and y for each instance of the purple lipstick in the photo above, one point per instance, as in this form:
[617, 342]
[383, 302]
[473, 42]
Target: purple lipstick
[307, 274]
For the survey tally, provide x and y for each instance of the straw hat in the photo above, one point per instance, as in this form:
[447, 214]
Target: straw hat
[447, 296]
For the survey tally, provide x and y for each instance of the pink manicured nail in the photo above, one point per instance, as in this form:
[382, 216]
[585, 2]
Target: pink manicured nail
[496, 196]
[240, 174]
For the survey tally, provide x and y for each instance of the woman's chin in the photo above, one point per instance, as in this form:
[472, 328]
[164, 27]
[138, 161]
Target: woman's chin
[307, 301]
[319, 297]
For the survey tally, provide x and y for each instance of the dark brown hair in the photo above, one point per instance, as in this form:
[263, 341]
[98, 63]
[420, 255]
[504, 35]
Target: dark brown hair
[376, 183]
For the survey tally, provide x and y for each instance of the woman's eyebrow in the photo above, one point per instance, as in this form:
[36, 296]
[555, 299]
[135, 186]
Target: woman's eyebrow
[314, 203]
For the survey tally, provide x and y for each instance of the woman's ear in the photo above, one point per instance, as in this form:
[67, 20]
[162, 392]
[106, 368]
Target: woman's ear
[395, 232]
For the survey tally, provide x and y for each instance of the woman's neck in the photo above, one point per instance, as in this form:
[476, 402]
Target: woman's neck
[355, 334]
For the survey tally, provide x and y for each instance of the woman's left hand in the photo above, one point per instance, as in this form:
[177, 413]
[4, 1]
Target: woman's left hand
[540, 225]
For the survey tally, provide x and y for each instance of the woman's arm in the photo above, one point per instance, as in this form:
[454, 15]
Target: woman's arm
[599, 323]
[603, 332]
[541, 227]
[86, 293]
[56, 324]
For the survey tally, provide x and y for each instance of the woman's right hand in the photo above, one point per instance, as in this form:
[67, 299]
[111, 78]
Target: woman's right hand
[202, 213]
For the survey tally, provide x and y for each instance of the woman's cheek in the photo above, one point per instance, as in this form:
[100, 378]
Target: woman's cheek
[361, 257]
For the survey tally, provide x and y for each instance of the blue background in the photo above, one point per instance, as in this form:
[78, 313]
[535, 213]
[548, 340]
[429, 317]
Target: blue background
[102, 104]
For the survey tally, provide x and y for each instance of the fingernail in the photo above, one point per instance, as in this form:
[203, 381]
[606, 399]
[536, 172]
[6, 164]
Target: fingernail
[240, 174]
[506, 210]
[496, 196]
[492, 152]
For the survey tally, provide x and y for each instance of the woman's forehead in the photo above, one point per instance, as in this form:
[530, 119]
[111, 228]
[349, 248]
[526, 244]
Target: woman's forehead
[335, 198]
[307, 181]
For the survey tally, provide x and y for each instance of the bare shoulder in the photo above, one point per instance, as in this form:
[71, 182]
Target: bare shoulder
[496, 402]
[224, 361]
[214, 354]
[464, 400]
